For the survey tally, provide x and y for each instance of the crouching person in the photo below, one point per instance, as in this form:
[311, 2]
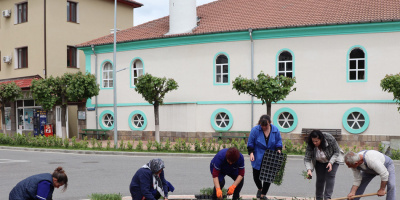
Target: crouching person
[227, 162]
[40, 186]
[149, 182]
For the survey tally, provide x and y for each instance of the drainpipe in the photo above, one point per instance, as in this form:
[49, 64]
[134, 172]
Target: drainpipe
[45, 41]
[252, 75]
[95, 74]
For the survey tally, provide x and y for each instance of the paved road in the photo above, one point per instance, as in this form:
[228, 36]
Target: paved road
[93, 173]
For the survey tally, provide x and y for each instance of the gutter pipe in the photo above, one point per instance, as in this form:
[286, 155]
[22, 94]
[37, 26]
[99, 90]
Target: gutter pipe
[45, 41]
[95, 104]
[252, 76]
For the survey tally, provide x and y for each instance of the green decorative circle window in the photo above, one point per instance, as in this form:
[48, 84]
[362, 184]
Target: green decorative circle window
[221, 120]
[355, 120]
[137, 120]
[285, 119]
[106, 120]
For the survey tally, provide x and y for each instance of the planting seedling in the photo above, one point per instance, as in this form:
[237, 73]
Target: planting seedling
[306, 176]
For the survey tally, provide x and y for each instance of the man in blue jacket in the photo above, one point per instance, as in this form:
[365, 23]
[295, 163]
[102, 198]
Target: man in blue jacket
[149, 182]
[227, 162]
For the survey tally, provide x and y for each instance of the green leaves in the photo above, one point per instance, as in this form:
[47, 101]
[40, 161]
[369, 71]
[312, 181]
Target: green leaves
[9, 92]
[391, 83]
[58, 91]
[266, 88]
[153, 89]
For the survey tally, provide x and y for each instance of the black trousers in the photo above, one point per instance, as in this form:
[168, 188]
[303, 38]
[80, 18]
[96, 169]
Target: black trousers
[236, 193]
[260, 185]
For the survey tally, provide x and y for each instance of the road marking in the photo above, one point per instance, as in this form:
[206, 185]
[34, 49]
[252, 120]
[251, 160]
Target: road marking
[12, 161]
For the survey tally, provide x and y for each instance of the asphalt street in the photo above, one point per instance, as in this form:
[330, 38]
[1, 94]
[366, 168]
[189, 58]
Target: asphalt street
[98, 173]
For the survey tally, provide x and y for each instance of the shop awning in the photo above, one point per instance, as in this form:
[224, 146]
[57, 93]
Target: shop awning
[22, 82]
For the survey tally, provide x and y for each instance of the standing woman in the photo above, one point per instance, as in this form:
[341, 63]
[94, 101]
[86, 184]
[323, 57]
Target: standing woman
[40, 186]
[324, 155]
[262, 137]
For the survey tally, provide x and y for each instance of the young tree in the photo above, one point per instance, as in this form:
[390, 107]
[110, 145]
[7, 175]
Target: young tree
[9, 92]
[266, 88]
[58, 91]
[153, 90]
[391, 83]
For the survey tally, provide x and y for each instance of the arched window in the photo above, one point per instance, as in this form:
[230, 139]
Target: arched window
[107, 75]
[357, 65]
[137, 71]
[285, 64]
[221, 69]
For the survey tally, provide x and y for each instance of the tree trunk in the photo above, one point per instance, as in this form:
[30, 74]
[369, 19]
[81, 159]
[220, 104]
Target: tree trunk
[269, 109]
[63, 121]
[157, 122]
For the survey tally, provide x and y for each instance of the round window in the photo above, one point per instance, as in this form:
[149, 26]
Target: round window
[106, 120]
[355, 120]
[221, 120]
[285, 119]
[137, 120]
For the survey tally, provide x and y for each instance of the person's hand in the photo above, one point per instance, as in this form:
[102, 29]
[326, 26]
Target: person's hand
[309, 174]
[329, 166]
[381, 192]
[350, 195]
[166, 198]
[231, 190]
[279, 151]
[251, 157]
[219, 193]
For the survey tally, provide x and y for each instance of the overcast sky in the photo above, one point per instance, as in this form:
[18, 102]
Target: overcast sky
[154, 9]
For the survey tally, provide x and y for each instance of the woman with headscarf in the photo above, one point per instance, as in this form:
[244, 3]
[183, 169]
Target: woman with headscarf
[39, 186]
[149, 182]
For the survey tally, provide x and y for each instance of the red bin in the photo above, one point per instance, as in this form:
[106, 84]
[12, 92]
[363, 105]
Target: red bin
[48, 130]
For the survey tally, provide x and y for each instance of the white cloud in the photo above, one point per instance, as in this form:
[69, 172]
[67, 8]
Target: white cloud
[154, 9]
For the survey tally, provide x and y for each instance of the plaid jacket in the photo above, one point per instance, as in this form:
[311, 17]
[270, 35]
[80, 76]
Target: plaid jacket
[332, 152]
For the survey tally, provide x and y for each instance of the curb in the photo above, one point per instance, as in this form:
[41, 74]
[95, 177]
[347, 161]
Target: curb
[243, 197]
[121, 153]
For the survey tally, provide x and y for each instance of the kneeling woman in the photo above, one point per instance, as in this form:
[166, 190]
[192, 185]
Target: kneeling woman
[149, 182]
[40, 186]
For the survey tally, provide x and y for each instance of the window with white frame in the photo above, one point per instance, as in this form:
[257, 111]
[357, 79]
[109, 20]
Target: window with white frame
[357, 64]
[72, 57]
[72, 11]
[22, 58]
[107, 75]
[221, 69]
[22, 12]
[137, 71]
[285, 64]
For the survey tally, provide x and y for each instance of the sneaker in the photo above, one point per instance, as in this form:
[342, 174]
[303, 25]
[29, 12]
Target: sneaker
[264, 197]
[258, 194]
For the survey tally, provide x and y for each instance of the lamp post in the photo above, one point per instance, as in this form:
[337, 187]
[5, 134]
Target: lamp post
[115, 77]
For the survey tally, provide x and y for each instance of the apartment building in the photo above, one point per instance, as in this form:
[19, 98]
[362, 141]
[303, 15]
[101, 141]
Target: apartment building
[37, 40]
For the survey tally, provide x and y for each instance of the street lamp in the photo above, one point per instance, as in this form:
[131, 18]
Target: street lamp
[115, 77]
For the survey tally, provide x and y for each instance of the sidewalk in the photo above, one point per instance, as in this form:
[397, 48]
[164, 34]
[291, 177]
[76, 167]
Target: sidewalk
[244, 197]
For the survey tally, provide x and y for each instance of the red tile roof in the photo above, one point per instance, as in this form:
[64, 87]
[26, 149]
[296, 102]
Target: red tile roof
[236, 15]
[22, 82]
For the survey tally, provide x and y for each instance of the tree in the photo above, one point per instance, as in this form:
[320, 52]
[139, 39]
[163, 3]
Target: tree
[266, 88]
[9, 92]
[58, 91]
[391, 83]
[153, 90]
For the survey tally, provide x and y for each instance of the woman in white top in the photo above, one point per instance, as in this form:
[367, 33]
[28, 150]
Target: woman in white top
[324, 155]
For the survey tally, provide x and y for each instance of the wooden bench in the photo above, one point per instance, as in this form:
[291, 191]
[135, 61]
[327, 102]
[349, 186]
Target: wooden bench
[94, 132]
[336, 133]
[228, 134]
